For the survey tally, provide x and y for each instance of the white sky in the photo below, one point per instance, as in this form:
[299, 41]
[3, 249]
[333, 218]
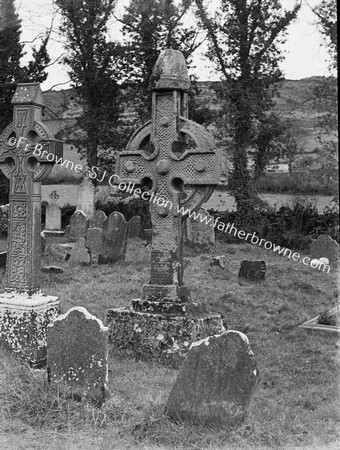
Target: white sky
[306, 55]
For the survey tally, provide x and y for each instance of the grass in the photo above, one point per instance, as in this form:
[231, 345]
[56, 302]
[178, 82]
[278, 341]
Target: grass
[295, 406]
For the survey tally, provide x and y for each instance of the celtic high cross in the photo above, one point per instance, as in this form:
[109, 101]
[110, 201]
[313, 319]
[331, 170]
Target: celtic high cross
[25, 172]
[176, 160]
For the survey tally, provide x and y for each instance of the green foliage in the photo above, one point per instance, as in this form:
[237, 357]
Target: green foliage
[326, 318]
[94, 71]
[66, 213]
[4, 189]
[149, 27]
[3, 222]
[327, 22]
[244, 43]
[11, 53]
[291, 226]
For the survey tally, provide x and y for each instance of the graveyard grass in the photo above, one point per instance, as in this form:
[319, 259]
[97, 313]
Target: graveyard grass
[295, 405]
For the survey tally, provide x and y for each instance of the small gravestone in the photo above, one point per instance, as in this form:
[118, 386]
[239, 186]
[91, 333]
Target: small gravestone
[325, 247]
[252, 271]
[3, 257]
[114, 239]
[134, 227]
[77, 355]
[85, 201]
[200, 232]
[97, 220]
[94, 240]
[80, 254]
[53, 213]
[216, 382]
[78, 225]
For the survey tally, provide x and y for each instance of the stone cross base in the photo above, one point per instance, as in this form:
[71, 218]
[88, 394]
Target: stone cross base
[23, 323]
[164, 334]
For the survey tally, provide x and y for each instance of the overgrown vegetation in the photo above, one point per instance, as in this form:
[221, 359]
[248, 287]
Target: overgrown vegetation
[295, 405]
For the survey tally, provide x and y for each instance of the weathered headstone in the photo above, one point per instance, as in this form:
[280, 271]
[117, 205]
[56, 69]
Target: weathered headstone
[3, 258]
[134, 227]
[168, 156]
[78, 225]
[200, 232]
[113, 247]
[27, 153]
[77, 355]
[252, 271]
[97, 220]
[80, 254]
[325, 247]
[94, 241]
[216, 382]
[85, 201]
[53, 213]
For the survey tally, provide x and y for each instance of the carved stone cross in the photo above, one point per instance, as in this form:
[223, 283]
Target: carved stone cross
[25, 172]
[176, 160]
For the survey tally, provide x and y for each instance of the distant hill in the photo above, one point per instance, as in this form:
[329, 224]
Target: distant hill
[63, 107]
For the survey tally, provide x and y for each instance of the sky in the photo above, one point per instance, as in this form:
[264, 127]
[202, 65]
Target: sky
[305, 53]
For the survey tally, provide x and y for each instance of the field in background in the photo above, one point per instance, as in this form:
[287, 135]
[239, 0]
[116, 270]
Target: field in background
[295, 405]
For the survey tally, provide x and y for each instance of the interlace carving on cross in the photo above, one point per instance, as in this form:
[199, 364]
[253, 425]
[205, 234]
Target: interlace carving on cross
[176, 159]
[25, 172]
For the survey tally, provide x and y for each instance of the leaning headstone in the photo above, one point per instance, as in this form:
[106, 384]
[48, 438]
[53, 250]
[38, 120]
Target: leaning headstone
[79, 253]
[134, 227]
[59, 252]
[77, 355]
[113, 247]
[24, 310]
[78, 225]
[85, 201]
[3, 257]
[252, 271]
[53, 213]
[94, 240]
[216, 382]
[97, 220]
[325, 247]
[200, 232]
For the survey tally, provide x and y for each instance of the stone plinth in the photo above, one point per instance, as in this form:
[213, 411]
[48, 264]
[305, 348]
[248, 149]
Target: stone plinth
[159, 331]
[23, 323]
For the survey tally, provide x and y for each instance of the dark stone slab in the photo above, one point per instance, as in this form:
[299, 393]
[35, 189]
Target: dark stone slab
[114, 239]
[97, 220]
[52, 269]
[216, 382]
[78, 225]
[134, 227]
[252, 271]
[324, 247]
[3, 258]
[77, 355]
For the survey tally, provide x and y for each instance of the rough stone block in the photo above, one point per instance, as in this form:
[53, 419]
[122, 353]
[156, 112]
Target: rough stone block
[77, 356]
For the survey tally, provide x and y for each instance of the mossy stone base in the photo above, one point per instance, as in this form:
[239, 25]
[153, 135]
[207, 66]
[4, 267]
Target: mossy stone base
[23, 323]
[164, 338]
